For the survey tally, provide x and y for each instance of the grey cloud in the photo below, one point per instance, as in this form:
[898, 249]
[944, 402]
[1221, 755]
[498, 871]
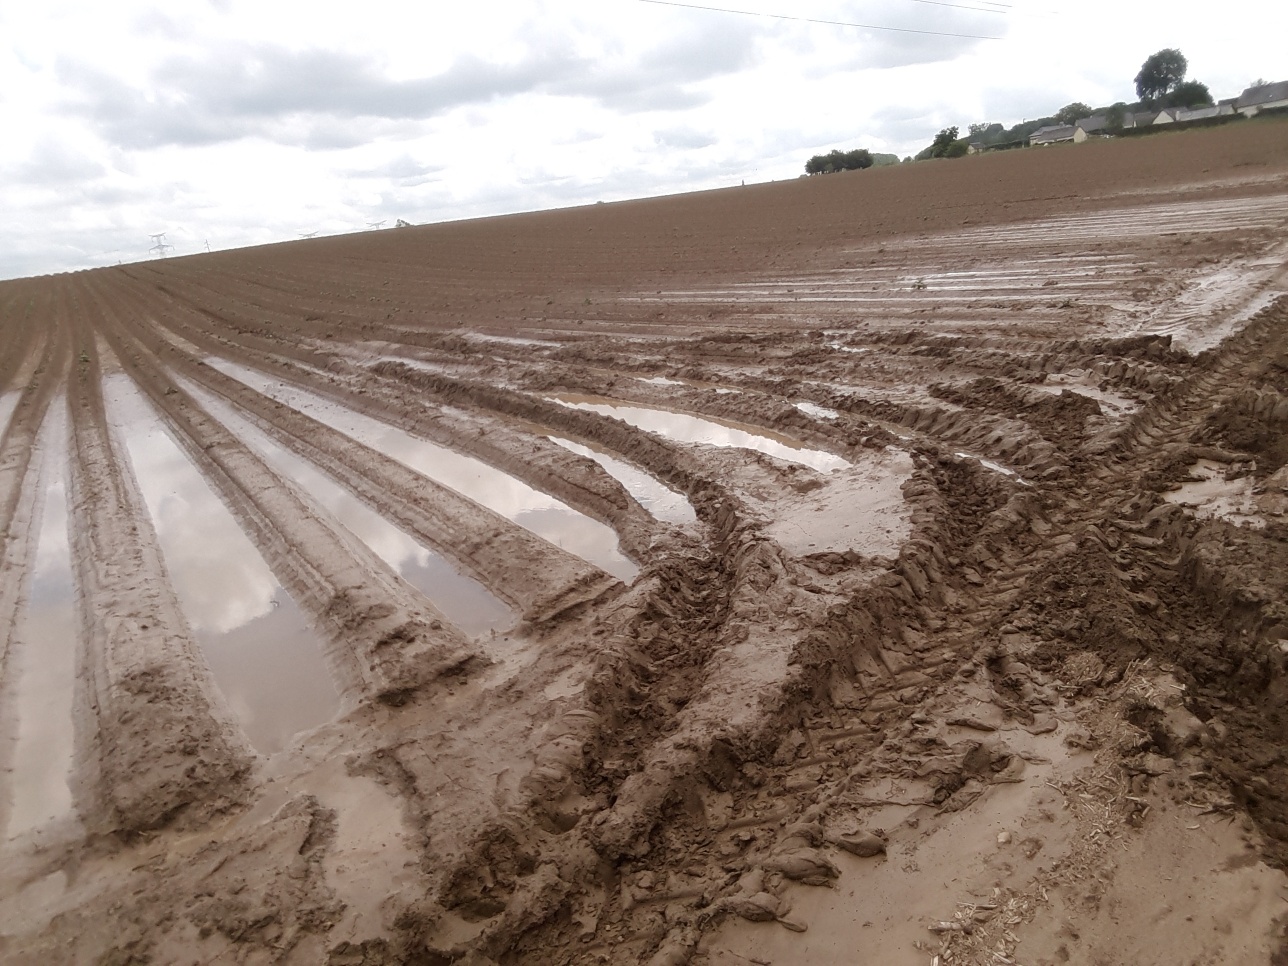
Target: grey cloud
[684, 137]
[879, 49]
[154, 22]
[660, 80]
[901, 124]
[53, 163]
[404, 170]
[244, 91]
[311, 97]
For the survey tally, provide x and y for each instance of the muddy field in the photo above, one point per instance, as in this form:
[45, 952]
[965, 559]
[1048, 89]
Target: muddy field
[887, 567]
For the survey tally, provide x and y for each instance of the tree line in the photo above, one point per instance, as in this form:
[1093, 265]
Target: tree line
[1160, 84]
[855, 160]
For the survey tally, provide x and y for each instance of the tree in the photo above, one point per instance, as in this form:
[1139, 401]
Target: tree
[1072, 112]
[854, 160]
[1116, 116]
[943, 142]
[1189, 94]
[1160, 73]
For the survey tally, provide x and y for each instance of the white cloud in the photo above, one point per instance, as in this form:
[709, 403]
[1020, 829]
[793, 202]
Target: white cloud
[243, 122]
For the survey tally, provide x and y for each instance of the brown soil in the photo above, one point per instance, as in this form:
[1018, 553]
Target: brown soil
[983, 695]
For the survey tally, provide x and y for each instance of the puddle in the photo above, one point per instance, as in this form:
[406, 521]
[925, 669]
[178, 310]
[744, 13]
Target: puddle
[461, 599]
[538, 512]
[266, 659]
[513, 340]
[43, 668]
[1081, 382]
[995, 467]
[818, 412]
[661, 381]
[1211, 496]
[689, 384]
[685, 428]
[8, 403]
[659, 500]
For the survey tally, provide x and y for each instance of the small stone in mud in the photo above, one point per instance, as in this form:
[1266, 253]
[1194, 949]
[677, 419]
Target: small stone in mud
[863, 844]
[807, 866]
[1042, 724]
[756, 775]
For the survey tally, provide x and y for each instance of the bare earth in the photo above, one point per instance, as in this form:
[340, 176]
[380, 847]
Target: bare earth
[888, 567]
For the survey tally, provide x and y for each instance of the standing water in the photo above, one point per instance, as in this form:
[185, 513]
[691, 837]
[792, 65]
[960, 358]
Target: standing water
[266, 658]
[43, 665]
[501, 493]
[8, 403]
[461, 599]
[659, 500]
[687, 428]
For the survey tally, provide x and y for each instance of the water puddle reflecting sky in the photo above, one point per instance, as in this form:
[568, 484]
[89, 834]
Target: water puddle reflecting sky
[462, 600]
[686, 428]
[43, 665]
[266, 658]
[513, 499]
[818, 412]
[8, 402]
[659, 500]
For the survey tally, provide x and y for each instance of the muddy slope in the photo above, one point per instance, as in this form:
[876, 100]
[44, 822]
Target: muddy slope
[977, 686]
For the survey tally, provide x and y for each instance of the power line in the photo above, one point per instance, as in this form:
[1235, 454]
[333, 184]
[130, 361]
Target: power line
[829, 23]
[991, 8]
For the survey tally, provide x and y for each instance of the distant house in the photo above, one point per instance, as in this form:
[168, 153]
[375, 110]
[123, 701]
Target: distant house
[1139, 118]
[1097, 124]
[1166, 116]
[1052, 134]
[1203, 113]
[1257, 99]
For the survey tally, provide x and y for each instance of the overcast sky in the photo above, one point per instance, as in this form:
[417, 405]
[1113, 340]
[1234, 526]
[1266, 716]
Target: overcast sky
[231, 123]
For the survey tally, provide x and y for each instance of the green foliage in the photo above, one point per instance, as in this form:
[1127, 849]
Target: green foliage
[1115, 115]
[1072, 112]
[881, 160]
[1189, 94]
[1161, 73]
[943, 141]
[854, 160]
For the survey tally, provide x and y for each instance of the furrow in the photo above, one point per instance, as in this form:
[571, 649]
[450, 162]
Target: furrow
[539, 579]
[153, 739]
[385, 640]
[577, 481]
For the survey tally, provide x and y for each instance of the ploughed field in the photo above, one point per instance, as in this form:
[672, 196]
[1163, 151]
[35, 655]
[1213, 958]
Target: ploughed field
[882, 567]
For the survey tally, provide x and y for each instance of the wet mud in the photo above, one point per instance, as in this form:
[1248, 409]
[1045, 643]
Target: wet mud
[706, 581]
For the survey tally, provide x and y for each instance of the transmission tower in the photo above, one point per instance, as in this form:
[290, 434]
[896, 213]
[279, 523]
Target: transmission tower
[159, 244]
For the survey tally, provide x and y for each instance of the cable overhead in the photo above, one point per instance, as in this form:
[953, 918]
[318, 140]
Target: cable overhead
[829, 23]
[1002, 8]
